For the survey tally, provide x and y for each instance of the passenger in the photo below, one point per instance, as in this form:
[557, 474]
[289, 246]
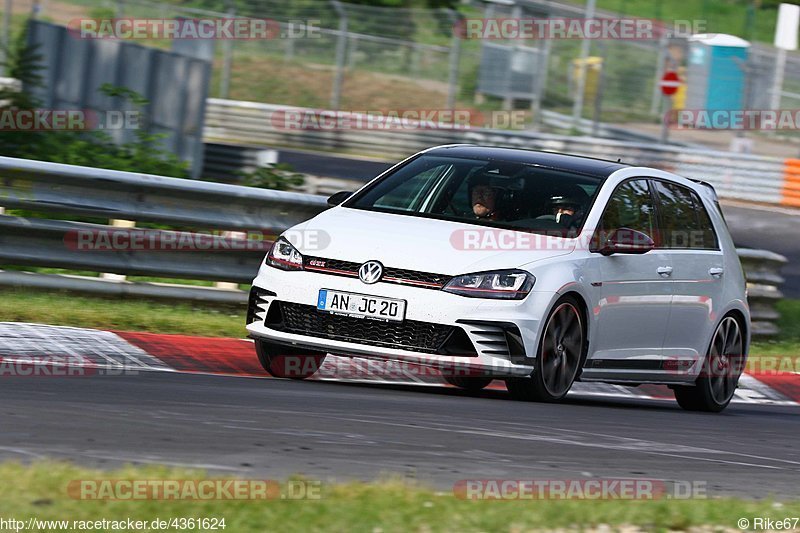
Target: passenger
[568, 208]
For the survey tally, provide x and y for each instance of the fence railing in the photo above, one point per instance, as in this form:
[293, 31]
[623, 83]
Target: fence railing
[229, 256]
[734, 175]
[357, 45]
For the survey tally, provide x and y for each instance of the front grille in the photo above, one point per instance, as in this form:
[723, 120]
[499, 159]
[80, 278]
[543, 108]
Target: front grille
[401, 276]
[258, 296]
[408, 335]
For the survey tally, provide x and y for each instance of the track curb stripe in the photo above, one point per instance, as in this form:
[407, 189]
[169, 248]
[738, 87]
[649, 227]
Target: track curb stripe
[236, 357]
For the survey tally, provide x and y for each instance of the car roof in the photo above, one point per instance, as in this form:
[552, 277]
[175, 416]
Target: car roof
[600, 168]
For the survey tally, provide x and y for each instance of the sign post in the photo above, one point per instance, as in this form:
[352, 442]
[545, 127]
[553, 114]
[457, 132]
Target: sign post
[669, 85]
[785, 39]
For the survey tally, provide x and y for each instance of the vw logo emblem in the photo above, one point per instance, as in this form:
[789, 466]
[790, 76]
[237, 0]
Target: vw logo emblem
[370, 272]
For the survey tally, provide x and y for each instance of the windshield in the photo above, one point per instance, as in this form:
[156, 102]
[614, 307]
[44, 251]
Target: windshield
[492, 193]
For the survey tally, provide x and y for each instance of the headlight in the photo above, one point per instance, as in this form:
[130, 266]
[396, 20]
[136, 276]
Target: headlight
[500, 284]
[284, 256]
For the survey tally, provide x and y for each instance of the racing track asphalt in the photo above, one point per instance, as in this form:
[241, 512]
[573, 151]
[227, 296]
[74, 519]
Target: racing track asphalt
[272, 428]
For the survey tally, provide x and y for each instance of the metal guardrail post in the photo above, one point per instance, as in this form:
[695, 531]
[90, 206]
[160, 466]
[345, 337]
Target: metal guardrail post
[117, 223]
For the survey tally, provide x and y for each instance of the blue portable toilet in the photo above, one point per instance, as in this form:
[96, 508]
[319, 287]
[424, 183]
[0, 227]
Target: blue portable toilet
[716, 74]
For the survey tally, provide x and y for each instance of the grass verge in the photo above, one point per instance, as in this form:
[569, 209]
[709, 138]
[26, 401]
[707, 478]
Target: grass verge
[40, 491]
[125, 314]
[788, 342]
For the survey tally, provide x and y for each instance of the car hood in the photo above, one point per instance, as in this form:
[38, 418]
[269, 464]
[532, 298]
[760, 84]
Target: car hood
[421, 244]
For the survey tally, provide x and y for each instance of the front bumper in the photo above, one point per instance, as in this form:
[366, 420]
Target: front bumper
[483, 321]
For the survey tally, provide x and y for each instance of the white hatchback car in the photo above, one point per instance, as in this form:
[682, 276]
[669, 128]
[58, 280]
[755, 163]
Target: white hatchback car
[537, 268]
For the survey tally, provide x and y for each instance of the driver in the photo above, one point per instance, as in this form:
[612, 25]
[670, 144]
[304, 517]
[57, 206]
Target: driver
[483, 198]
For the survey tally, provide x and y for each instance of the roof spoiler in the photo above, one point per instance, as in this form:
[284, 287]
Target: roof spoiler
[710, 188]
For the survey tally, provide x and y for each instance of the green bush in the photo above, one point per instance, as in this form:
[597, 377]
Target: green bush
[278, 176]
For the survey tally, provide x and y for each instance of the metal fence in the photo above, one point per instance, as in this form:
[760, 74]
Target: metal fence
[367, 57]
[229, 257]
[174, 85]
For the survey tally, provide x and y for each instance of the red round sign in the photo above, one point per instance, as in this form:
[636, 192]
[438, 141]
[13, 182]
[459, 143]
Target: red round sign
[669, 83]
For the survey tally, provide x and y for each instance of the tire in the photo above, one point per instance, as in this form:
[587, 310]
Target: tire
[723, 365]
[472, 384]
[558, 363]
[288, 362]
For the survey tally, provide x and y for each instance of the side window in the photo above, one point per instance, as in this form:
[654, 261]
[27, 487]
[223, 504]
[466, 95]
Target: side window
[631, 206]
[709, 237]
[684, 220]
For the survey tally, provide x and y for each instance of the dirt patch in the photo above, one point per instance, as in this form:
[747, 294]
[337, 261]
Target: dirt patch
[281, 82]
[57, 12]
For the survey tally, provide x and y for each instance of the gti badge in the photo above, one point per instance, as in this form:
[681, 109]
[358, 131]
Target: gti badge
[370, 272]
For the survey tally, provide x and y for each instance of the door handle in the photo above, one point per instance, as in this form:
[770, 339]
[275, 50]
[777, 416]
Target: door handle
[716, 272]
[664, 272]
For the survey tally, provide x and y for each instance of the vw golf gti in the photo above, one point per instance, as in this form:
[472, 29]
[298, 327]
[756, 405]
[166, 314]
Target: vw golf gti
[536, 268]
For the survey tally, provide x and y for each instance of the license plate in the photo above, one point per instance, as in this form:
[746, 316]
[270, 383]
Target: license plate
[361, 306]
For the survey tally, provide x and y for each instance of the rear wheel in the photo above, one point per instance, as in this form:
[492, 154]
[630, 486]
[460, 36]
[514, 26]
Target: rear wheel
[472, 384]
[719, 377]
[561, 352]
[288, 362]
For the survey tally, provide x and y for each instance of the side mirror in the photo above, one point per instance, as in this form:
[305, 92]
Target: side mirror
[626, 241]
[338, 198]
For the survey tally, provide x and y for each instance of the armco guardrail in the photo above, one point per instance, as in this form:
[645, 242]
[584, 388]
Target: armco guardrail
[135, 252]
[739, 176]
[50, 187]
[83, 191]
[763, 272]
[86, 191]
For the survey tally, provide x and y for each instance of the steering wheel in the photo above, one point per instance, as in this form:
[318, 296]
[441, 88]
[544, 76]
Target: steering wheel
[457, 212]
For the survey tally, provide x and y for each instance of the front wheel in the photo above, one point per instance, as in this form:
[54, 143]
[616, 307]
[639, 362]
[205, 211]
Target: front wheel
[719, 377]
[288, 362]
[561, 352]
